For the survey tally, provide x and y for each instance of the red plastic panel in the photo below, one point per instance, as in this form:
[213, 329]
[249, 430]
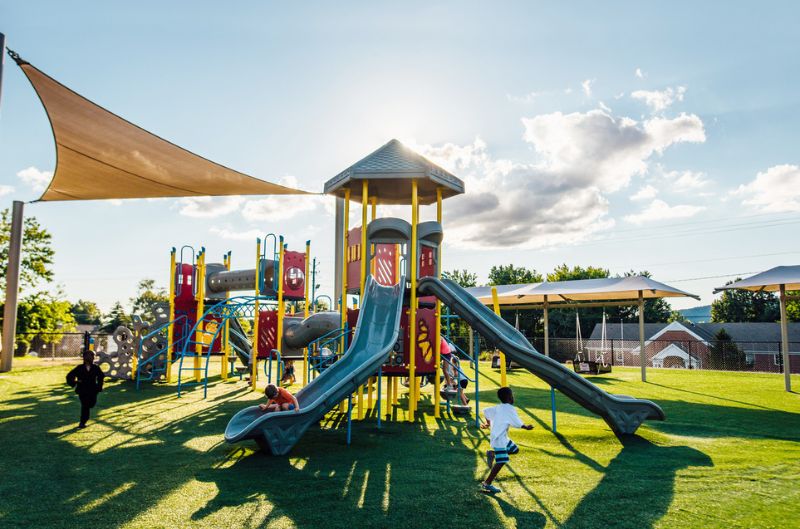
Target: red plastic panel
[294, 275]
[385, 263]
[184, 287]
[267, 332]
[427, 261]
[424, 361]
[354, 260]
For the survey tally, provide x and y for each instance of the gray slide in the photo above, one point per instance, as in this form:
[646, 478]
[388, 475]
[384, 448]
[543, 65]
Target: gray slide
[240, 343]
[376, 333]
[298, 332]
[623, 414]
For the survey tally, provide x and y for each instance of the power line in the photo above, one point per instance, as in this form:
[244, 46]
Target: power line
[739, 274]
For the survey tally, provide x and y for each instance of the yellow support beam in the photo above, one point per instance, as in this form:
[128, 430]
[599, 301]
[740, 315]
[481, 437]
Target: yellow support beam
[412, 309]
[226, 331]
[201, 308]
[305, 311]
[256, 312]
[281, 304]
[496, 303]
[171, 328]
[438, 315]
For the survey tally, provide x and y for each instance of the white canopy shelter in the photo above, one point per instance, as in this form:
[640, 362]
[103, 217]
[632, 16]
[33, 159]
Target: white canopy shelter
[778, 279]
[632, 290]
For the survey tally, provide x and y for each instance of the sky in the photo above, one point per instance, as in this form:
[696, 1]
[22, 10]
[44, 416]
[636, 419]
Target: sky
[632, 136]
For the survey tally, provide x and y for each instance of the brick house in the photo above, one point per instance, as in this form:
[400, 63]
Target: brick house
[753, 346]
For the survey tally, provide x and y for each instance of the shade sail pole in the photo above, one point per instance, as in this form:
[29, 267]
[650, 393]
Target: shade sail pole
[642, 352]
[12, 287]
[787, 366]
[2, 61]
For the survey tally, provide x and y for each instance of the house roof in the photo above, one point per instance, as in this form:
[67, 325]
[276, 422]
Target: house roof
[769, 280]
[739, 332]
[390, 171]
[606, 289]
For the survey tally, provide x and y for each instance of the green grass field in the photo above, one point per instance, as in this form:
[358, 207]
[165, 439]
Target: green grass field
[727, 456]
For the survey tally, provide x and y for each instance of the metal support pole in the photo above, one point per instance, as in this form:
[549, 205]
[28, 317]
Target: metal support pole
[412, 309]
[2, 60]
[503, 375]
[343, 277]
[225, 342]
[349, 417]
[475, 344]
[378, 396]
[338, 251]
[12, 285]
[546, 327]
[553, 407]
[787, 366]
[438, 315]
[642, 352]
[256, 318]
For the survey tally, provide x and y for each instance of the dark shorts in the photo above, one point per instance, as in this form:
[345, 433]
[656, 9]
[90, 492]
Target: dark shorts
[463, 383]
[501, 454]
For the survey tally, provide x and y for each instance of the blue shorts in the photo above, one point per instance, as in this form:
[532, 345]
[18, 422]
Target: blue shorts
[501, 454]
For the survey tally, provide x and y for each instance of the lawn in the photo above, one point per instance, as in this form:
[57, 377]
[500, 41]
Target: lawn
[727, 456]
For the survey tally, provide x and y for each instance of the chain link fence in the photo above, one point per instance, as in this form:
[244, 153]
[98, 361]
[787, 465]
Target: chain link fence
[60, 345]
[724, 355]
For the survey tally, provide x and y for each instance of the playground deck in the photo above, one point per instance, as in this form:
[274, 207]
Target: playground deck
[727, 456]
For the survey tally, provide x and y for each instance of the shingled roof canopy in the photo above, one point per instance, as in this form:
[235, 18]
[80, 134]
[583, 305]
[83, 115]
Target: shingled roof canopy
[390, 171]
[100, 155]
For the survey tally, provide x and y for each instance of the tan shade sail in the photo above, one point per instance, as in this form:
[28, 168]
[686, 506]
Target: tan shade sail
[99, 155]
[769, 280]
[607, 289]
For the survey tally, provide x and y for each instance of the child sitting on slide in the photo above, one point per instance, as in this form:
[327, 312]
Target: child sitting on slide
[279, 399]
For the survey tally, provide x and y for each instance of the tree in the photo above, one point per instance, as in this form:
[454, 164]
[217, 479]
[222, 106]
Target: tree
[86, 312]
[45, 316]
[115, 318]
[464, 278]
[37, 253]
[745, 306]
[725, 354]
[511, 275]
[147, 297]
[677, 316]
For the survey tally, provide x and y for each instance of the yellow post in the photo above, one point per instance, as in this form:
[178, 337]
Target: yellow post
[345, 251]
[171, 327]
[281, 306]
[503, 380]
[412, 310]
[256, 312]
[226, 346]
[305, 311]
[369, 394]
[201, 308]
[438, 315]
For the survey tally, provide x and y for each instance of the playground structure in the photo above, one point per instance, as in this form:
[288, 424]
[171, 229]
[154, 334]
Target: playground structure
[375, 262]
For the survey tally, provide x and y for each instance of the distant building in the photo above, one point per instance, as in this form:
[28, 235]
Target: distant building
[697, 314]
[753, 346]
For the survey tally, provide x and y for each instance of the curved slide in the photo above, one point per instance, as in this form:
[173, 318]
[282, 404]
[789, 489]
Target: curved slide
[623, 414]
[376, 333]
[240, 343]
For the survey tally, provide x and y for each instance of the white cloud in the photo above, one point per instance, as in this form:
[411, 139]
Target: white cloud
[279, 207]
[586, 86]
[604, 107]
[226, 233]
[646, 193]
[660, 100]
[35, 178]
[639, 73]
[528, 98]
[596, 148]
[660, 210]
[6, 190]
[209, 207]
[775, 190]
[687, 180]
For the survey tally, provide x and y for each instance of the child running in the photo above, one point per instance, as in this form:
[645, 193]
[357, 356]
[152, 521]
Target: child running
[279, 399]
[500, 418]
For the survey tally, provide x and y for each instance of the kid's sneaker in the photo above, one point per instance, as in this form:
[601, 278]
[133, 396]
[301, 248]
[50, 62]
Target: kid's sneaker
[489, 489]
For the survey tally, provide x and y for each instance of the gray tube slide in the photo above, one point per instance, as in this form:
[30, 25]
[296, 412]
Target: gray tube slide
[376, 333]
[623, 414]
[298, 334]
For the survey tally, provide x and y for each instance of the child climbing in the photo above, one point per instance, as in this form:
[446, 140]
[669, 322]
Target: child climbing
[279, 399]
[499, 419]
[288, 377]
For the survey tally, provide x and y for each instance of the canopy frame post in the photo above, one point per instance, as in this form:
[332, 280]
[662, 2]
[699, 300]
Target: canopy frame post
[787, 366]
[642, 352]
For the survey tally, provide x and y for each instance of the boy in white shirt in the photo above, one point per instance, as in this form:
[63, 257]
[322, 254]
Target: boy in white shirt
[500, 418]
